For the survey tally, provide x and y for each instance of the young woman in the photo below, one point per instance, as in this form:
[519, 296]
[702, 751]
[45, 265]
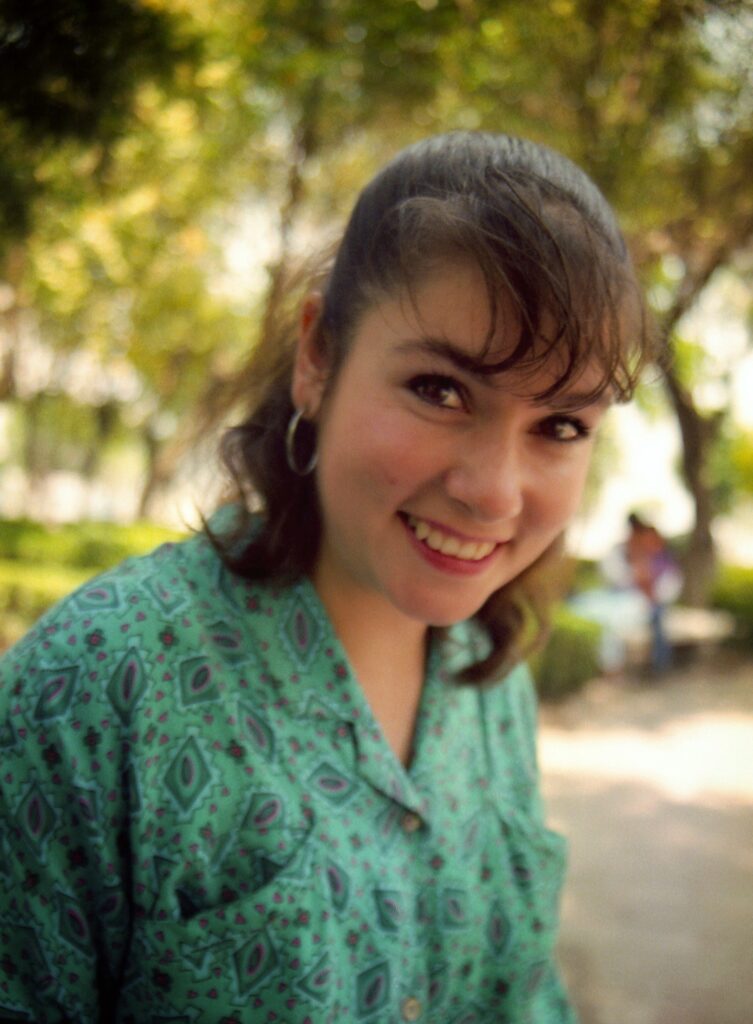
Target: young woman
[264, 775]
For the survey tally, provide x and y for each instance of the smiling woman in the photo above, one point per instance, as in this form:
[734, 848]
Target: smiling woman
[513, 248]
[410, 430]
[242, 781]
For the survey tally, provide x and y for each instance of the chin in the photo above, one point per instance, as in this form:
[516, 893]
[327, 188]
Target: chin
[439, 616]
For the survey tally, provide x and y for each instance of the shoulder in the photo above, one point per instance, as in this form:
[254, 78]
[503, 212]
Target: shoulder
[142, 608]
[175, 625]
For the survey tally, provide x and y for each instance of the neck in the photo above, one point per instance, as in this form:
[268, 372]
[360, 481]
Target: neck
[387, 652]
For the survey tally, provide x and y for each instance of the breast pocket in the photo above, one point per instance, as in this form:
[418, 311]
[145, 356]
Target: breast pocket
[240, 942]
[527, 862]
[241, 863]
[531, 859]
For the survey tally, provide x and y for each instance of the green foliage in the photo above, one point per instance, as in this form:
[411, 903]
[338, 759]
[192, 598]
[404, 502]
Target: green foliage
[350, 60]
[741, 461]
[737, 461]
[139, 134]
[586, 575]
[86, 546]
[27, 590]
[69, 68]
[69, 71]
[570, 658]
[733, 592]
[730, 466]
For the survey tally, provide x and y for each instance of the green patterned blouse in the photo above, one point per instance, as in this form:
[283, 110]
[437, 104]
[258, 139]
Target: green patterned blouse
[202, 823]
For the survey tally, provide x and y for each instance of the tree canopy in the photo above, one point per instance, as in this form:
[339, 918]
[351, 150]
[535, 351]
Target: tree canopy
[137, 139]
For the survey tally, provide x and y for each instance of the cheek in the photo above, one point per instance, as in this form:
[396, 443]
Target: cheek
[405, 458]
[398, 461]
[378, 450]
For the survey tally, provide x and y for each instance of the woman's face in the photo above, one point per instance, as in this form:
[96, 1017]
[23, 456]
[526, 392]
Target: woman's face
[437, 486]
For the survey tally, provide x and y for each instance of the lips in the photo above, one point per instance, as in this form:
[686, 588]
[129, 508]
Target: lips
[447, 543]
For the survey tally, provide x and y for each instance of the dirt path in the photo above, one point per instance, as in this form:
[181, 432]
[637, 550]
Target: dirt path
[653, 785]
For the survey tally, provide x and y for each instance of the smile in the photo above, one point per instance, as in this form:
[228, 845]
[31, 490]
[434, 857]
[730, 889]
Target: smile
[448, 544]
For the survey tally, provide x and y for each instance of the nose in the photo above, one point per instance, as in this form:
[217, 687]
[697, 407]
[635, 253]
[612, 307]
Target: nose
[487, 478]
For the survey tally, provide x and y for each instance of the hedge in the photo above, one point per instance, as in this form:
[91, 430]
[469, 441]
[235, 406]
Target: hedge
[93, 546]
[570, 657]
[733, 592]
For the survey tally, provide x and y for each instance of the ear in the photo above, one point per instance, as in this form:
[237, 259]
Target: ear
[311, 366]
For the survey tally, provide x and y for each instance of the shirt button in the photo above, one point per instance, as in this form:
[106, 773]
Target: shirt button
[411, 1008]
[411, 823]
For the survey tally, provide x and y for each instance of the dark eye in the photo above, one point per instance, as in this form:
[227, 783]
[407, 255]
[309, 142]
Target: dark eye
[564, 428]
[435, 389]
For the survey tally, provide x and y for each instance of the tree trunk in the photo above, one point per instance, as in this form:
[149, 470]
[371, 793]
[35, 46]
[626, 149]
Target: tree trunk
[105, 419]
[10, 321]
[699, 434]
[158, 475]
[699, 431]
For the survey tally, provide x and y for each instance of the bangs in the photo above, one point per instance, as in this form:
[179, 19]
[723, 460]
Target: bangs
[559, 297]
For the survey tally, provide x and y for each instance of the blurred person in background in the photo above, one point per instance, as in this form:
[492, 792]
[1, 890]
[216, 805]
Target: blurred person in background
[654, 572]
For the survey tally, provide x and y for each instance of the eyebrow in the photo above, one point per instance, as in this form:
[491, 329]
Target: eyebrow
[453, 354]
[462, 360]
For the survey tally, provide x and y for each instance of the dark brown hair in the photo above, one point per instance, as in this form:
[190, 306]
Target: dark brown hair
[546, 242]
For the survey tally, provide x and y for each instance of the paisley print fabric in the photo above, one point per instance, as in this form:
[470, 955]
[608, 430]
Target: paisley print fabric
[201, 822]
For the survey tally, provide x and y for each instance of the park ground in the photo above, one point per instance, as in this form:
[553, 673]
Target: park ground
[652, 783]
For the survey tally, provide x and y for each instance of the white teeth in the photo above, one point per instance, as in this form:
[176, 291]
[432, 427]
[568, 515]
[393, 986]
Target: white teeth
[483, 550]
[471, 551]
[450, 546]
[435, 540]
[421, 529]
[468, 550]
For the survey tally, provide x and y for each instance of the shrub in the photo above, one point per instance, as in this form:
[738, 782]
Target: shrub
[585, 574]
[92, 546]
[733, 592]
[570, 657]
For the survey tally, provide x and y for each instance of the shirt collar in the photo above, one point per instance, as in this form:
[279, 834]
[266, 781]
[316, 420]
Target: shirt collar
[303, 670]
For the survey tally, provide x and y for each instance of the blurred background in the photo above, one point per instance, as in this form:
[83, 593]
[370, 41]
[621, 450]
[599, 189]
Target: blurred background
[164, 163]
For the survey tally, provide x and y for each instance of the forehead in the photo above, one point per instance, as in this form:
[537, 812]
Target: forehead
[454, 302]
[448, 306]
[455, 297]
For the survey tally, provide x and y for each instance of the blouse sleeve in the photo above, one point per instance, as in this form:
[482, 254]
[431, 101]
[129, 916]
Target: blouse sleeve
[64, 822]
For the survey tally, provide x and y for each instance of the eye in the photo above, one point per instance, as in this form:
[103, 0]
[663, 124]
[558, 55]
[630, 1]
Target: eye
[434, 389]
[564, 428]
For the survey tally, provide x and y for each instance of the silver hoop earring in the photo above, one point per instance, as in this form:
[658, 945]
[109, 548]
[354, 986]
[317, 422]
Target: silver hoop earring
[290, 455]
